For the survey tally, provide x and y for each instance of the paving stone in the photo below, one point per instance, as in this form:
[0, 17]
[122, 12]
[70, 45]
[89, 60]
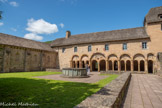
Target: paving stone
[146, 91]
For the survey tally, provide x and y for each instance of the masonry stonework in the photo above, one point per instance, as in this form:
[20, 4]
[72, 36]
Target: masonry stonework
[134, 49]
[134, 58]
[17, 59]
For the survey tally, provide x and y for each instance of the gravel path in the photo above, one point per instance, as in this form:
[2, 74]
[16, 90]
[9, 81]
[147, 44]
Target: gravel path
[94, 77]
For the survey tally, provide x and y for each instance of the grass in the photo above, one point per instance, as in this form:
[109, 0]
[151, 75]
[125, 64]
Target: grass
[21, 87]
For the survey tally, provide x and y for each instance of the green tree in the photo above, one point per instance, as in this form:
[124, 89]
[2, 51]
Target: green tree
[0, 14]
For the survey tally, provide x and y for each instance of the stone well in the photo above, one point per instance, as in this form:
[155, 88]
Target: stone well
[74, 72]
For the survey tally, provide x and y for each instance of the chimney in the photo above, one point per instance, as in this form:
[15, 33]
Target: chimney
[68, 34]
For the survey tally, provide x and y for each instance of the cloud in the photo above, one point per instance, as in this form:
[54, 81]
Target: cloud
[40, 26]
[3, 1]
[61, 25]
[33, 36]
[13, 29]
[13, 3]
[1, 23]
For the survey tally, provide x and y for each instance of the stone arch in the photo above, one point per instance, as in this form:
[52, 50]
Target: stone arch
[73, 64]
[122, 63]
[142, 65]
[77, 64]
[138, 57]
[135, 62]
[102, 65]
[112, 56]
[128, 65]
[87, 62]
[83, 57]
[150, 66]
[125, 57]
[97, 56]
[110, 65]
[75, 57]
[150, 56]
[94, 65]
[125, 64]
[115, 65]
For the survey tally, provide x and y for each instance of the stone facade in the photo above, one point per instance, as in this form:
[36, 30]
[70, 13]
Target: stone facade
[135, 58]
[18, 59]
[134, 49]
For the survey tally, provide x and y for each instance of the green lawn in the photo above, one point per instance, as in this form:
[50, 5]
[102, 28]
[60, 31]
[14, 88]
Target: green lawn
[21, 87]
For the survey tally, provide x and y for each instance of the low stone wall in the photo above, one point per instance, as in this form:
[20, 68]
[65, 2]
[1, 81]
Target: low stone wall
[112, 72]
[110, 96]
[53, 70]
[121, 72]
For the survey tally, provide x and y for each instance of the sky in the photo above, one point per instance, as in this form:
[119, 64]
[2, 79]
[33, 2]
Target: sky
[46, 20]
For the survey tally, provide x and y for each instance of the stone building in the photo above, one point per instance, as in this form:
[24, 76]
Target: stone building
[19, 54]
[134, 49]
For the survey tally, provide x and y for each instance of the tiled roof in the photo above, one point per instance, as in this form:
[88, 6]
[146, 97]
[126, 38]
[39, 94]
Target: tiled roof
[115, 35]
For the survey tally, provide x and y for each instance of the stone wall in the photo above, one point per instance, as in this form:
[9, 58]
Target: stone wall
[18, 59]
[159, 72]
[134, 48]
[111, 96]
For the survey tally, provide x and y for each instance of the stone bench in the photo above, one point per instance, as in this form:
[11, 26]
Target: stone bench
[110, 96]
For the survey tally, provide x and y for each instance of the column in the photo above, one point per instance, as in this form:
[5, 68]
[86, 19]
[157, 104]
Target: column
[80, 64]
[90, 65]
[132, 66]
[98, 66]
[138, 66]
[113, 65]
[119, 69]
[85, 63]
[125, 65]
[107, 65]
[76, 66]
[153, 66]
[146, 66]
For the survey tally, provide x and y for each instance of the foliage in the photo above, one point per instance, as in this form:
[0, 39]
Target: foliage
[22, 87]
[0, 14]
[48, 41]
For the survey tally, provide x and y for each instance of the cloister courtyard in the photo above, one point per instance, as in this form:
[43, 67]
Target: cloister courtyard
[27, 87]
[48, 89]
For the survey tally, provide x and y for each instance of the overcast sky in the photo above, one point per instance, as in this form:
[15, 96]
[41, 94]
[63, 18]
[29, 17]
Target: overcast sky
[45, 20]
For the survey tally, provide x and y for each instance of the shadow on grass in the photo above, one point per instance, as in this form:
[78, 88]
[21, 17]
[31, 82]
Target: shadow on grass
[46, 93]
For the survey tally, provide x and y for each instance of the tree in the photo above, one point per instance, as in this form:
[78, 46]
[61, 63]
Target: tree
[0, 14]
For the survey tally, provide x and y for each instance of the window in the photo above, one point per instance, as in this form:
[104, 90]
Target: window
[75, 49]
[63, 50]
[124, 46]
[106, 47]
[160, 16]
[89, 48]
[144, 45]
